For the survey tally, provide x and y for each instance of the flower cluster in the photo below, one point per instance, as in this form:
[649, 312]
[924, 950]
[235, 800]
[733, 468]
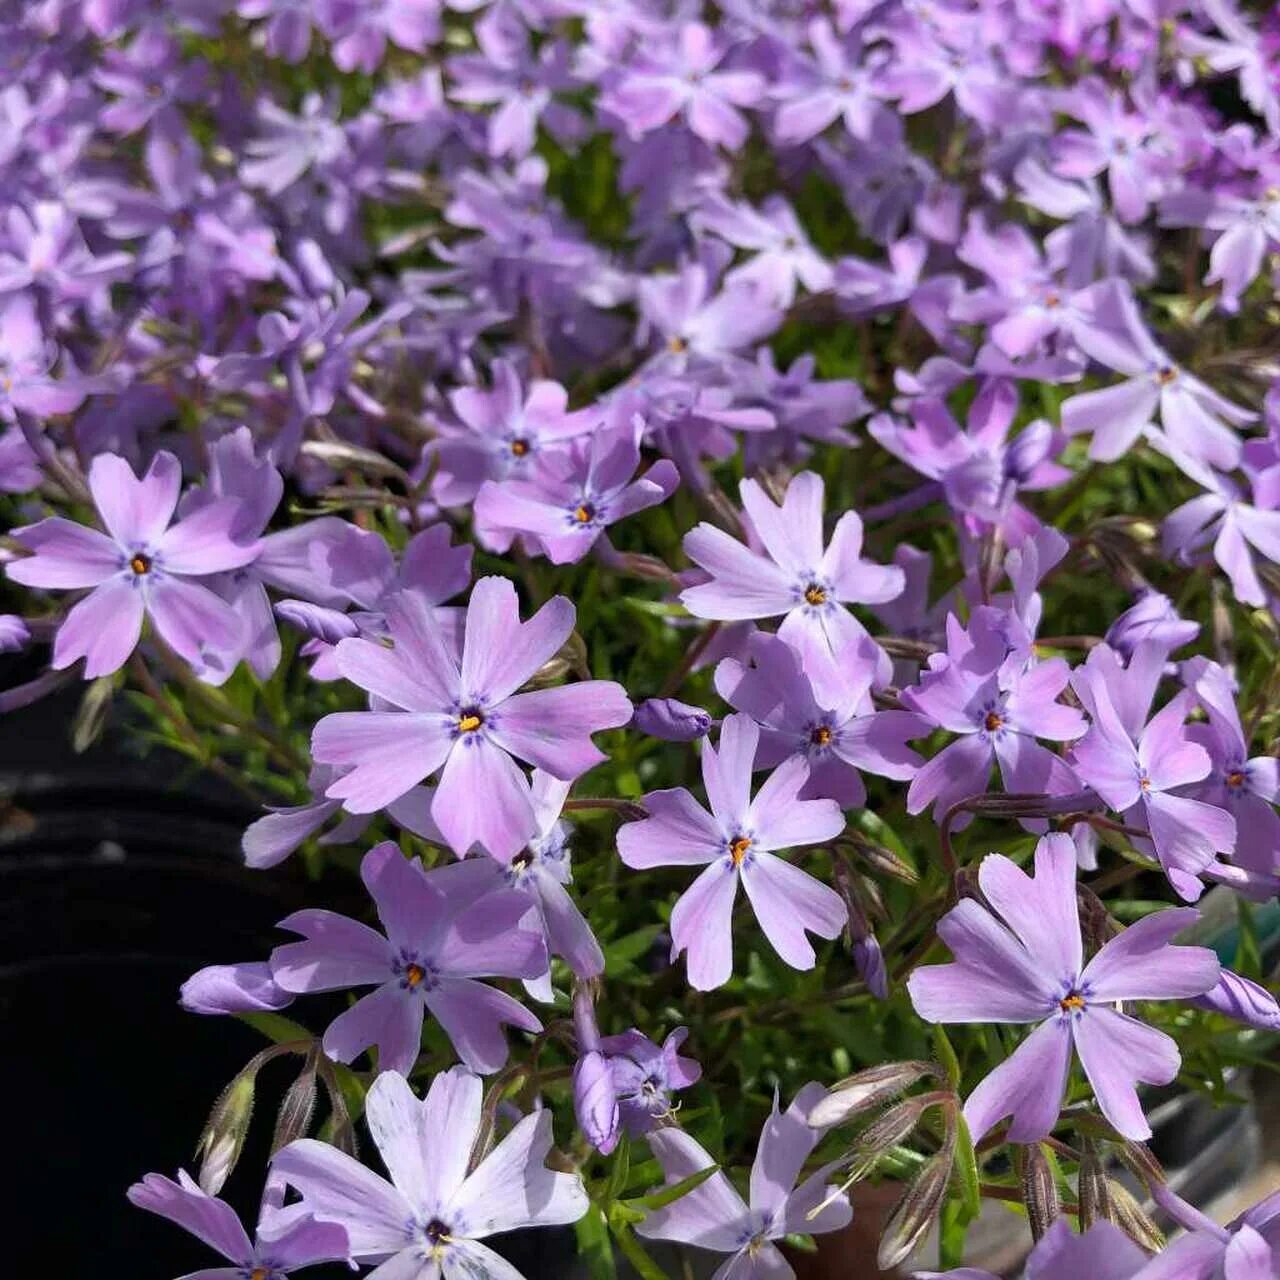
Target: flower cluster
[411, 403]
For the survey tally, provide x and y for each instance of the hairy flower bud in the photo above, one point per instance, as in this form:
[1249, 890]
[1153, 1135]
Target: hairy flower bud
[1039, 1191]
[671, 720]
[296, 1109]
[867, 1090]
[223, 1137]
[1132, 1219]
[916, 1212]
[1091, 1187]
[1245, 1001]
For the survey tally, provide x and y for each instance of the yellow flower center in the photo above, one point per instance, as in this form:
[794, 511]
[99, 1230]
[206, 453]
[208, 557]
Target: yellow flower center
[821, 736]
[814, 594]
[140, 564]
[519, 448]
[677, 345]
[1071, 1003]
[993, 721]
[584, 514]
[1235, 779]
[414, 974]
[738, 850]
[469, 721]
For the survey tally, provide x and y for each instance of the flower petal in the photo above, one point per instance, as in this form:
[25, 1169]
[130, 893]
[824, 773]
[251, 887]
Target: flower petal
[473, 1016]
[702, 925]
[1117, 1052]
[103, 629]
[1028, 1086]
[787, 902]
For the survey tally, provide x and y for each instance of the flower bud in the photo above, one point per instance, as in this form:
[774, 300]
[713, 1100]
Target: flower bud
[1039, 1191]
[916, 1212]
[1245, 1001]
[1129, 1216]
[15, 635]
[1091, 1185]
[869, 962]
[671, 720]
[223, 1137]
[866, 1091]
[296, 1109]
[595, 1101]
[233, 988]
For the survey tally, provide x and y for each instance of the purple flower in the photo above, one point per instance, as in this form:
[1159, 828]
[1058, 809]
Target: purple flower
[25, 386]
[684, 79]
[645, 1075]
[1103, 1252]
[541, 871]
[288, 1238]
[466, 718]
[834, 85]
[797, 576]
[1021, 961]
[1247, 787]
[1198, 423]
[714, 1216]
[444, 929]
[1239, 529]
[1138, 771]
[288, 28]
[1152, 616]
[821, 712]
[506, 431]
[782, 256]
[1247, 1248]
[432, 1215]
[1000, 701]
[360, 29]
[735, 842]
[979, 469]
[142, 566]
[46, 250]
[575, 494]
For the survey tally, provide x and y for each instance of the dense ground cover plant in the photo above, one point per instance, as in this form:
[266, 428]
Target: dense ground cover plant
[570, 462]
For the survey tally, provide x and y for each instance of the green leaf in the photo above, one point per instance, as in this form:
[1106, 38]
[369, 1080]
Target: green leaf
[669, 1195]
[276, 1027]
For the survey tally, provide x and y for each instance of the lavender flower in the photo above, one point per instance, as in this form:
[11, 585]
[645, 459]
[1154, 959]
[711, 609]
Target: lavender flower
[430, 1218]
[140, 567]
[735, 843]
[797, 576]
[1021, 961]
[465, 719]
[1000, 701]
[1104, 1251]
[714, 1216]
[444, 930]
[645, 1075]
[288, 1237]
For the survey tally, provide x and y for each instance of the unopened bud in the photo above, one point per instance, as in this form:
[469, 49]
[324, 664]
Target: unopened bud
[671, 720]
[868, 959]
[895, 1125]
[233, 988]
[1091, 1187]
[595, 1101]
[867, 1090]
[1039, 1190]
[1130, 1217]
[223, 1137]
[916, 1212]
[296, 1109]
[883, 861]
